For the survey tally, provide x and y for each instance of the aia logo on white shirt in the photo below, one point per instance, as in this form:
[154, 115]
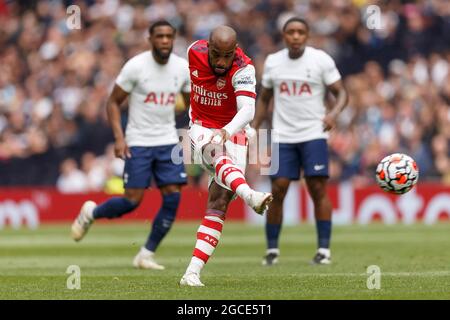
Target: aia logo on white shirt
[161, 98]
[221, 82]
[295, 88]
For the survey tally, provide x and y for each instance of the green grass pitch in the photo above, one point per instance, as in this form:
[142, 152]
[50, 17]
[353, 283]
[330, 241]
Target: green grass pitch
[414, 262]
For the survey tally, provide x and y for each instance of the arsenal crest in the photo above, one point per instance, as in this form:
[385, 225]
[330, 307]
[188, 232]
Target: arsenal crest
[221, 83]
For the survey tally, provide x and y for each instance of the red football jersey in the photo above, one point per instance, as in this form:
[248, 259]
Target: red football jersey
[213, 98]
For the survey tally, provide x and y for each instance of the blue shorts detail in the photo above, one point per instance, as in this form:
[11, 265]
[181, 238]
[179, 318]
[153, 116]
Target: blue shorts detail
[152, 162]
[311, 156]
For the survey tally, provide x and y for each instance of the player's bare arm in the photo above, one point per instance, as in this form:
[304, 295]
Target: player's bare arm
[186, 99]
[262, 105]
[113, 109]
[185, 96]
[341, 95]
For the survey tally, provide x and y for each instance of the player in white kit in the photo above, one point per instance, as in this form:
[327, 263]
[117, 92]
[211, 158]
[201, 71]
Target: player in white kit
[151, 80]
[298, 78]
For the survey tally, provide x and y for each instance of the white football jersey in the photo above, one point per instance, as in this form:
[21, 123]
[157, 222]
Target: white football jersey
[153, 89]
[299, 87]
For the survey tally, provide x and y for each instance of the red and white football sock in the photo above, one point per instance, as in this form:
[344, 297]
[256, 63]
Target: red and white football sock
[208, 235]
[231, 176]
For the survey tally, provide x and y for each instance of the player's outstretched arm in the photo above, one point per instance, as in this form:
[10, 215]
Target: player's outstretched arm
[245, 114]
[115, 100]
[262, 104]
[244, 83]
[340, 93]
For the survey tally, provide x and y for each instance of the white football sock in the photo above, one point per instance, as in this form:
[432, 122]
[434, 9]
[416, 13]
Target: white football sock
[325, 251]
[145, 252]
[195, 266]
[273, 250]
[243, 191]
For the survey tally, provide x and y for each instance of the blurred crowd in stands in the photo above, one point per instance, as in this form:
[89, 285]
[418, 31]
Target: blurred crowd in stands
[54, 81]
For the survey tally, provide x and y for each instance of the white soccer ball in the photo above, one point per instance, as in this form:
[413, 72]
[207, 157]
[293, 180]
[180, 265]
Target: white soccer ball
[397, 173]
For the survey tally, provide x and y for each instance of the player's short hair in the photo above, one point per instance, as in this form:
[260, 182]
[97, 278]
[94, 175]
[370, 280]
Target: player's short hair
[160, 23]
[295, 19]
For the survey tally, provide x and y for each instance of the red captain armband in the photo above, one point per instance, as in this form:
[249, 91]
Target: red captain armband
[245, 93]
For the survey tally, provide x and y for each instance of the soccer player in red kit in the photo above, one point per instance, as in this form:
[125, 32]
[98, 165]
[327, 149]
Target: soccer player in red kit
[222, 104]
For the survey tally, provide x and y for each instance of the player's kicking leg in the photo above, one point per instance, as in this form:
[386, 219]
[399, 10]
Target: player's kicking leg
[111, 209]
[232, 176]
[274, 220]
[226, 162]
[223, 158]
[208, 234]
